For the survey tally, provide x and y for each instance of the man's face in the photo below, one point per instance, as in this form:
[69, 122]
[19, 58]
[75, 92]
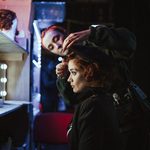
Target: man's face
[53, 41]
[76, 78]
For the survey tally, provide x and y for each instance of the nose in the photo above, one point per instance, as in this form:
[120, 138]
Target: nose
[69, 79]
[59, 46]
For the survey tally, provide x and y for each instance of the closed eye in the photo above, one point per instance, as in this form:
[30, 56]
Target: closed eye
[50, 47]
[56, 38]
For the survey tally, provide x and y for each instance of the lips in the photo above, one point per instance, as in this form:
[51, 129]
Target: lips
[72, 86]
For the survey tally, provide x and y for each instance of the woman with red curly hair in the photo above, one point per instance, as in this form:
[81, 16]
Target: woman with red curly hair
[95, 124]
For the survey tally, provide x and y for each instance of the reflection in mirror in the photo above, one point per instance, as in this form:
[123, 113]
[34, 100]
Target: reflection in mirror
[8, 23]
[3, 80]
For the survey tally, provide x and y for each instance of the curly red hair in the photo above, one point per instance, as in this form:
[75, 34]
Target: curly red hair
[92, 71]
[99, 74]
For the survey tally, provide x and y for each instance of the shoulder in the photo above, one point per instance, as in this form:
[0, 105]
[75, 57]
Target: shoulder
[97, 100]
[96, 104]
[90, 102]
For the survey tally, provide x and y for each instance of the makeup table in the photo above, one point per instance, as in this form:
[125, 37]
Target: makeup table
[14, 122]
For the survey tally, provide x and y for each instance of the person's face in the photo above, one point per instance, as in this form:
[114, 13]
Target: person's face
[53, 41]
[11, 33]
[76, 78]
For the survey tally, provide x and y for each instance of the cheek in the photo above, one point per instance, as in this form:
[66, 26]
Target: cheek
[61, 40]
[46, 42]
[80, 84]
[79, 87]
[55, 50]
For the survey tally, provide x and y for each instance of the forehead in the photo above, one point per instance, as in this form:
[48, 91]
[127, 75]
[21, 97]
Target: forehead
[51, 33]
[48, 36]
[72, 64]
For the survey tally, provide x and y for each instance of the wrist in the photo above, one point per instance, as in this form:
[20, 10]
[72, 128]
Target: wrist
[93, 30]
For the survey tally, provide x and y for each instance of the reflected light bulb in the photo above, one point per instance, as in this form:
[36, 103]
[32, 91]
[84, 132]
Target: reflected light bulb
[3, 66]
[3, 93]
[60, 58]
[3, 80]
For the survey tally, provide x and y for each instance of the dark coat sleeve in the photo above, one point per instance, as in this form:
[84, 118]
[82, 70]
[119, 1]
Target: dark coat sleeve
[120, 42]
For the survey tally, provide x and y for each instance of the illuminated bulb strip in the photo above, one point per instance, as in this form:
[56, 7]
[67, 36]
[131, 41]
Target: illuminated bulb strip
[3, 66]
[37, 31]
[3, 80]
[37, 64]
[3, 93]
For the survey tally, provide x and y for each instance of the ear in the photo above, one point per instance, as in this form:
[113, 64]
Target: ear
[89, 73]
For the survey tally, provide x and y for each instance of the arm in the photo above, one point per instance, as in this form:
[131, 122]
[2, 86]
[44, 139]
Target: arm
[120, 41]
[75, 38]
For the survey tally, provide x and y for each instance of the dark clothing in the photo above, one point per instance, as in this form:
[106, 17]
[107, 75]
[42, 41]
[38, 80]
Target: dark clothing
[49, 92]
[118, 42]
[95, 125]
[133, 126]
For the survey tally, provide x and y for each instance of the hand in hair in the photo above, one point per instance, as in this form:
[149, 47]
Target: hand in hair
[75, 38]
[62, 69]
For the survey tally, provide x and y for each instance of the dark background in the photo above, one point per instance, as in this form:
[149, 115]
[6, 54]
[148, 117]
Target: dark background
[135, 15]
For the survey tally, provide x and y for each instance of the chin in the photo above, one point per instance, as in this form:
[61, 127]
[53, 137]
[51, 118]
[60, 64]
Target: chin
[75, 91]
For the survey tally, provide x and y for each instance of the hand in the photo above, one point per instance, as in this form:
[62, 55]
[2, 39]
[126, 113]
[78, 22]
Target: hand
[61, 69]
[75, 38]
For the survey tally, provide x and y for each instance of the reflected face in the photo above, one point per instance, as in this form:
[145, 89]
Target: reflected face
[53, 41]
[11, 33]
[76, 78]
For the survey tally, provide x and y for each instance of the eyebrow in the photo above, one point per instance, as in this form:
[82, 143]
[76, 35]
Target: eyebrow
[73, 69]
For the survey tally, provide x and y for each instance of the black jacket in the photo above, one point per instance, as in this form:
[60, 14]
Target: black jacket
[94, 126]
